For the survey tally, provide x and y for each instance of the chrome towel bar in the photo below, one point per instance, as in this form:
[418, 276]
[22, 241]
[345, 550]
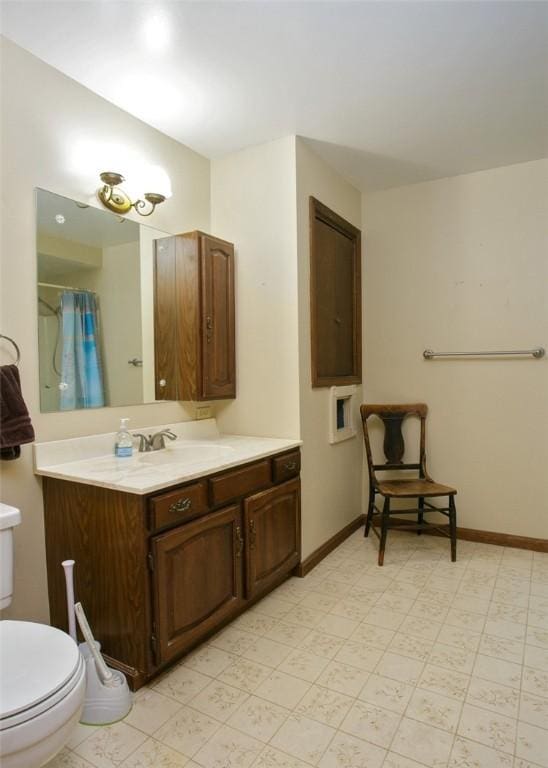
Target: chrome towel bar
[538, 352]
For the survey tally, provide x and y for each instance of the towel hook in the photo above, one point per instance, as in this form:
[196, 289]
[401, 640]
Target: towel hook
[18, 351]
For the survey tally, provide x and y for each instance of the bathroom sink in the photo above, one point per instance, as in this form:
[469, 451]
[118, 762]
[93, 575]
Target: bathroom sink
[187, 454]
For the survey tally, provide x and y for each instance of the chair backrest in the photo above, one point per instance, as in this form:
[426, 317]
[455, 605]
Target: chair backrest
[392, 417]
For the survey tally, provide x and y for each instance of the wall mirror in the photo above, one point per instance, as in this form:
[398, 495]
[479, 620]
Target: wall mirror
[95, 306]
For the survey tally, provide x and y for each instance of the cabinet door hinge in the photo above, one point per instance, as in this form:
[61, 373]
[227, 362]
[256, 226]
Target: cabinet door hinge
[150, 560]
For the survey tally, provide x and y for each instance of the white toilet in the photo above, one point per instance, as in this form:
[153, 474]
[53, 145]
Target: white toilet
[42, 676]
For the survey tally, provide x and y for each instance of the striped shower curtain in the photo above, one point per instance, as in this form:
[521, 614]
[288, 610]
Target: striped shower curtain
[81, 374]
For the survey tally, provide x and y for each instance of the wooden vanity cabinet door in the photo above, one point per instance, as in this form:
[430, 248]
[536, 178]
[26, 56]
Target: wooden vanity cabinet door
[197, 580]
[166, 335]
[272, 523]
[218, 319]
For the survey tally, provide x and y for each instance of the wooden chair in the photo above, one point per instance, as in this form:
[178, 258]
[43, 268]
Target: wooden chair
[421, 488]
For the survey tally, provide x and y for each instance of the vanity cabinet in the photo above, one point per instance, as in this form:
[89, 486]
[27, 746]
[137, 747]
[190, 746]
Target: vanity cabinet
[158, 573]
[194, 314]
[197, 580]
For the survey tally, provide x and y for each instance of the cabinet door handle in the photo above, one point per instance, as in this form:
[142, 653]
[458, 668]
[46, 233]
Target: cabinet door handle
[252, 534]
[182, 505]
[290, 465]
[209, 327]
[240, 540]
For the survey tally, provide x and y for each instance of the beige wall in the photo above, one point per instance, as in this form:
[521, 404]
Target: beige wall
[331, 474]
[253, 205]
[45, 116]
[462, 264]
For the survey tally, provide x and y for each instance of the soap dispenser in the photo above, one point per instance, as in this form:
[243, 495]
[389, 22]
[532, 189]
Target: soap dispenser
[123, 445]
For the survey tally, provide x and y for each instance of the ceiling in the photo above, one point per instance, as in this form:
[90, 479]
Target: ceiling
[389, 93]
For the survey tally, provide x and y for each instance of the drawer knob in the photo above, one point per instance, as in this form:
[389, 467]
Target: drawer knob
[182, 505]
[290, 465]
[162, 382]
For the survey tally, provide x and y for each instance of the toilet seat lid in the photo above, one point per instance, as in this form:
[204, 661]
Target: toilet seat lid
[35, 661]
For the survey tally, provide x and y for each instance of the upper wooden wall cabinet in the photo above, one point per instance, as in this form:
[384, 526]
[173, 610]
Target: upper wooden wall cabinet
[335, 298]
[194, 318]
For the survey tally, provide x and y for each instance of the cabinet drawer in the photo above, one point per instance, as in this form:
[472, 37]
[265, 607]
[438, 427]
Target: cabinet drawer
[239, 482]
[286, 466]
[177, 506]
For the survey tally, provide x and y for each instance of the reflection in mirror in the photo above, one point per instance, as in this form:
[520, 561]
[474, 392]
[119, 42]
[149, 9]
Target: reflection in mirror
[95, 306]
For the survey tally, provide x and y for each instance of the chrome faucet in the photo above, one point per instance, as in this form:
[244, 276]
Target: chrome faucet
[154, 442]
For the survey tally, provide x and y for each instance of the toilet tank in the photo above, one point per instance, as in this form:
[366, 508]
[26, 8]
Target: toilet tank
[9, 517]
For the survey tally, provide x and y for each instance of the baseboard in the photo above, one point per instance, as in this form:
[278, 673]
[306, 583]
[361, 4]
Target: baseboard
[491, 537]
[306, 565]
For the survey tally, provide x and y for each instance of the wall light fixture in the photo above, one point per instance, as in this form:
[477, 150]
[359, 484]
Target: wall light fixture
[114, 198]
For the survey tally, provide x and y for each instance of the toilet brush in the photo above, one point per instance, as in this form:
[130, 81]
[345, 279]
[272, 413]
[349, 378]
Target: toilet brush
[108, 697]
[68, 566]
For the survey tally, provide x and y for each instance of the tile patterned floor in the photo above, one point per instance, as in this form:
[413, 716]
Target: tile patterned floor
[420, 663]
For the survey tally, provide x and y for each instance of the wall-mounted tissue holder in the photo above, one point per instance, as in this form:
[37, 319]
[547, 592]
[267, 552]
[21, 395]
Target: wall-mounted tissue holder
[341, 421]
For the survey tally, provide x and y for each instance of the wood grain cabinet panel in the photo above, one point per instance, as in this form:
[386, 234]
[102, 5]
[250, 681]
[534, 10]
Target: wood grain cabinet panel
[272, 525]
[197, 580]
[178, 506]
[239, 482]
[158, 573]
[194, 314]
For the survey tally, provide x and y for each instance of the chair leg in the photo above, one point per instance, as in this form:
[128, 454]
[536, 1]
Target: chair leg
[453, 528]
[420, 516]
[384, 528]
[370, 508]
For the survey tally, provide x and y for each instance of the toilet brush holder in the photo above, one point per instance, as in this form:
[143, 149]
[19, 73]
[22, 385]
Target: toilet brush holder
[104, 703]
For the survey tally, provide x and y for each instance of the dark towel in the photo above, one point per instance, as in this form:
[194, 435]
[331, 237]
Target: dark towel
[15, 424]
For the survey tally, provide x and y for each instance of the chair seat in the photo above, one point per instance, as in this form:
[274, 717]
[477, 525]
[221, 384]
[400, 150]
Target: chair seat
[417, 487]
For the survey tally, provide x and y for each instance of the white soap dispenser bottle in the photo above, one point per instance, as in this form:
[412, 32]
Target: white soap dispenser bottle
[123, 445]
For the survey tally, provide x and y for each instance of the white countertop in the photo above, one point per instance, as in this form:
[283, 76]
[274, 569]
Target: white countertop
[199, 450]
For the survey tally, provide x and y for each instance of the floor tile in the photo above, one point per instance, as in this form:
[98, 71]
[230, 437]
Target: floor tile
[375, 636]
[153, 754]
[288, 634]
[400, 668]
[501, 648]
[360, 655]
[305, 665]
[534, 710]
[434, 709]
[326, 706]
[536, 682]
[489, 728]
[233, 640]
[282, 689]
[451, 658]
[536, 657]
[423, 743]
[497, 670]
[187, 731]
[273, 606]
[445, 681]
[343, 678]
[229, 747]
[493, 696]
[532, 744]
[273, 758]
[398, 761]
[218, 700]
[389, 694]
[245, 674]
[346, 751]
[321, 644]
[413, 647]
[259, 718]
[263, 650]
[371, 722]
[208, 660]
[470, 754]
[304, 616]
[151, 710]
[303, 738]
[110, 745]
[68, 759]
[337, 625]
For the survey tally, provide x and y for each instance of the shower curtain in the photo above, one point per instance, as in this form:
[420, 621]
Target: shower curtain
[81, 374]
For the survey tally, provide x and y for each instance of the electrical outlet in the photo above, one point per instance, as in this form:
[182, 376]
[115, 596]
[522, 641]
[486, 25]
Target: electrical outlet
[204, 412]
